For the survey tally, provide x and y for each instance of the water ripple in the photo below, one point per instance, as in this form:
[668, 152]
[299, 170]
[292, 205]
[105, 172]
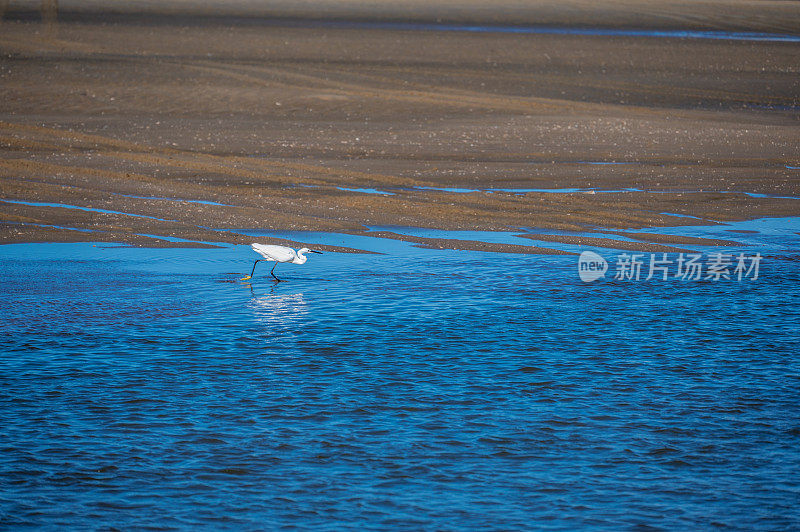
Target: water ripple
[418, 389]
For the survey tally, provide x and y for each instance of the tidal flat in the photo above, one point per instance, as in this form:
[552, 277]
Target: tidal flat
[269, 118]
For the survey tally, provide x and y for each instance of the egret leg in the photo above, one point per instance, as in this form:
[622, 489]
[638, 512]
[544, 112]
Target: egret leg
[273, 274]
[252, 271]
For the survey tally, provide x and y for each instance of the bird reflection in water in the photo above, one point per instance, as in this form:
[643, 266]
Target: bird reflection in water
[274, 308]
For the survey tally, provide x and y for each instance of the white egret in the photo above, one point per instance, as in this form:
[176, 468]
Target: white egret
[278, 254]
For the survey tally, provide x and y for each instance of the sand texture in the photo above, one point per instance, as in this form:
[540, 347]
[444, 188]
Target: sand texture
[269, 114]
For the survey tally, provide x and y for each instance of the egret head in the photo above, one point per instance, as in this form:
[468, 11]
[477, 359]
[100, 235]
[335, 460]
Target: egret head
[306, 250]
[301, 255]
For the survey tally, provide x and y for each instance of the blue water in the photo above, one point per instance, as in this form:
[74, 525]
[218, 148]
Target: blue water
[367, 191]
[525, 190]
[79, 208]
[604, 163]
[589, 190]
[555, 30]
[49, 226]
[413, 389]
[161, 198]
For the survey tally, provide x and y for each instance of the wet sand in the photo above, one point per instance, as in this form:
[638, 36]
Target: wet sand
[271, 113]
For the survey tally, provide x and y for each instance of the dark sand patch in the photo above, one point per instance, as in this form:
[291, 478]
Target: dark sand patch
[610, 243]
[20, 233]
[677, 239]
[763, 16]
[467, 245]
[271, 120]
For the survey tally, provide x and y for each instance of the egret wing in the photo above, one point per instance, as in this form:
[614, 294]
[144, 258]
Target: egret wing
[276, 253]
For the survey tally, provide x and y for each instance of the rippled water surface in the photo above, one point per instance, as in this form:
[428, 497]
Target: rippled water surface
[416, 389]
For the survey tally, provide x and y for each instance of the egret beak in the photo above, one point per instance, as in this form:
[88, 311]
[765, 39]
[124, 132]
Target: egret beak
[317, 252]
